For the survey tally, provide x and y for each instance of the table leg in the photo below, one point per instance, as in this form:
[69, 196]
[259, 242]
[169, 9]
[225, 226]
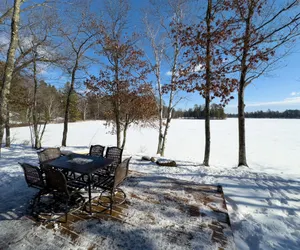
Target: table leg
[90, 195]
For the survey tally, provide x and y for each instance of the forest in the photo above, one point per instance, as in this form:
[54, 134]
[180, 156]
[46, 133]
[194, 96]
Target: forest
[287, 114]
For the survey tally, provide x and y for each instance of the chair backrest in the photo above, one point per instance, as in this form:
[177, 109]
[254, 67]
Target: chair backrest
[121, 172]
[56, 181]
[97, 150]
[126, 161]
[33, 176]
[49, 154]
[115, 154]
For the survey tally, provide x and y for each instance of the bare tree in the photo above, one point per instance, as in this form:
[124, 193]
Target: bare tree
[158, 45]
[9, 66]
[115, 48]
[79, 38]
[166, 49]
[205, 68]
[265, 28]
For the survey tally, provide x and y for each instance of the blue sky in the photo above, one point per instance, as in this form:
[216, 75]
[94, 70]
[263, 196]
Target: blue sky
[279, 90]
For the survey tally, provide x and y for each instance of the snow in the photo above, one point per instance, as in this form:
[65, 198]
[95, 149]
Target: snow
[263, 201]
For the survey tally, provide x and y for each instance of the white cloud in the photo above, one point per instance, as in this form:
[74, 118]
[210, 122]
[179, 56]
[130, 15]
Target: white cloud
[290, 100]
[295, 93]
[196, 69]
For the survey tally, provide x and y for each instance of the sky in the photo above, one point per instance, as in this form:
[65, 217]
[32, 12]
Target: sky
[279, 90]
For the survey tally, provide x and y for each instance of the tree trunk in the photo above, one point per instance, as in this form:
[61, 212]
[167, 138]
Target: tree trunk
[9, 67]
[42, 134]
[34, 108]
[7, 130]
[125, 133]
[170, 105]
[241, 92]
[208, 85]
[67, 110]
[160, 129]
[163, 147]
[118, 128]
[207, 131]
[160, 105]
[242, 135]
[118, 103]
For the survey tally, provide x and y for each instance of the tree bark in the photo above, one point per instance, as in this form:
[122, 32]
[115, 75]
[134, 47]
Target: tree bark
[241, 91]
[164, 142]
[67, 110]
[208, 84]
[34, 108]
[7, 131]
[9, 66]
[170, 105]
[125, 133]
[207, 131]
[118, 103]
[242, 135]
[160, 114]
[118, 128]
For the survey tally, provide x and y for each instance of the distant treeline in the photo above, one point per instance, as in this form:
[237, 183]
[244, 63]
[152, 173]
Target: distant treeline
[198, 112]
[288, 114]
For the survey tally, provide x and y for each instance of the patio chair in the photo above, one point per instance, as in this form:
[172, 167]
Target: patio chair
[115, 154]
[110, 186]
[62, 192]
[97, 150]
[34, 179]
[50, 154]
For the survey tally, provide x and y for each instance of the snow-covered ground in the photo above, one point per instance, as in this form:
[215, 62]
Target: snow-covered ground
[263, 201]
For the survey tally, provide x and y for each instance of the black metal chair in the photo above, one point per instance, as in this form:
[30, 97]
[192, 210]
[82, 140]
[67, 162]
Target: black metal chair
[34, 179]
[110, 185]
[115, 154]
[62, 191]
[48, 154]
[97, 150]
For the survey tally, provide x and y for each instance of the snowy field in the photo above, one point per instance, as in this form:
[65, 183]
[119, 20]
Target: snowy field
[263, 201]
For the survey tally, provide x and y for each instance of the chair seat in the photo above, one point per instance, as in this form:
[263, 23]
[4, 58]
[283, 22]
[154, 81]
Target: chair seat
[76, 184]
[104, 182]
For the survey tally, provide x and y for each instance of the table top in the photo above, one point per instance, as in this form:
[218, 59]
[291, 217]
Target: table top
[83, 164]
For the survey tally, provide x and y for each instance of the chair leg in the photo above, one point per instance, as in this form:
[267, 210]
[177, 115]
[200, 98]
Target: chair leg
[111, 202]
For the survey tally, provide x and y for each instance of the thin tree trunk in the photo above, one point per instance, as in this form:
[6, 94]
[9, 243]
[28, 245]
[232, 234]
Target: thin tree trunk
[42, 134]
[207, 131]
[160, 134]
[67, 110]
[9, 67]
[118, 128]
[170, 108]
[241, 92]
[34, 108]
[160, 130]
[160, 104]
[163, 147]
[208, 85]
[242, 135]
[125, 133]
[118, 104]
[7, 130]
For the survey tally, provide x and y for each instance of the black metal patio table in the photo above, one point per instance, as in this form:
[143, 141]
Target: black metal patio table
[82, 164]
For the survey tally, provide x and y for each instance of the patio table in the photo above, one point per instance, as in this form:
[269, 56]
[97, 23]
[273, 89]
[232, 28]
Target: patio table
[82, 164]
